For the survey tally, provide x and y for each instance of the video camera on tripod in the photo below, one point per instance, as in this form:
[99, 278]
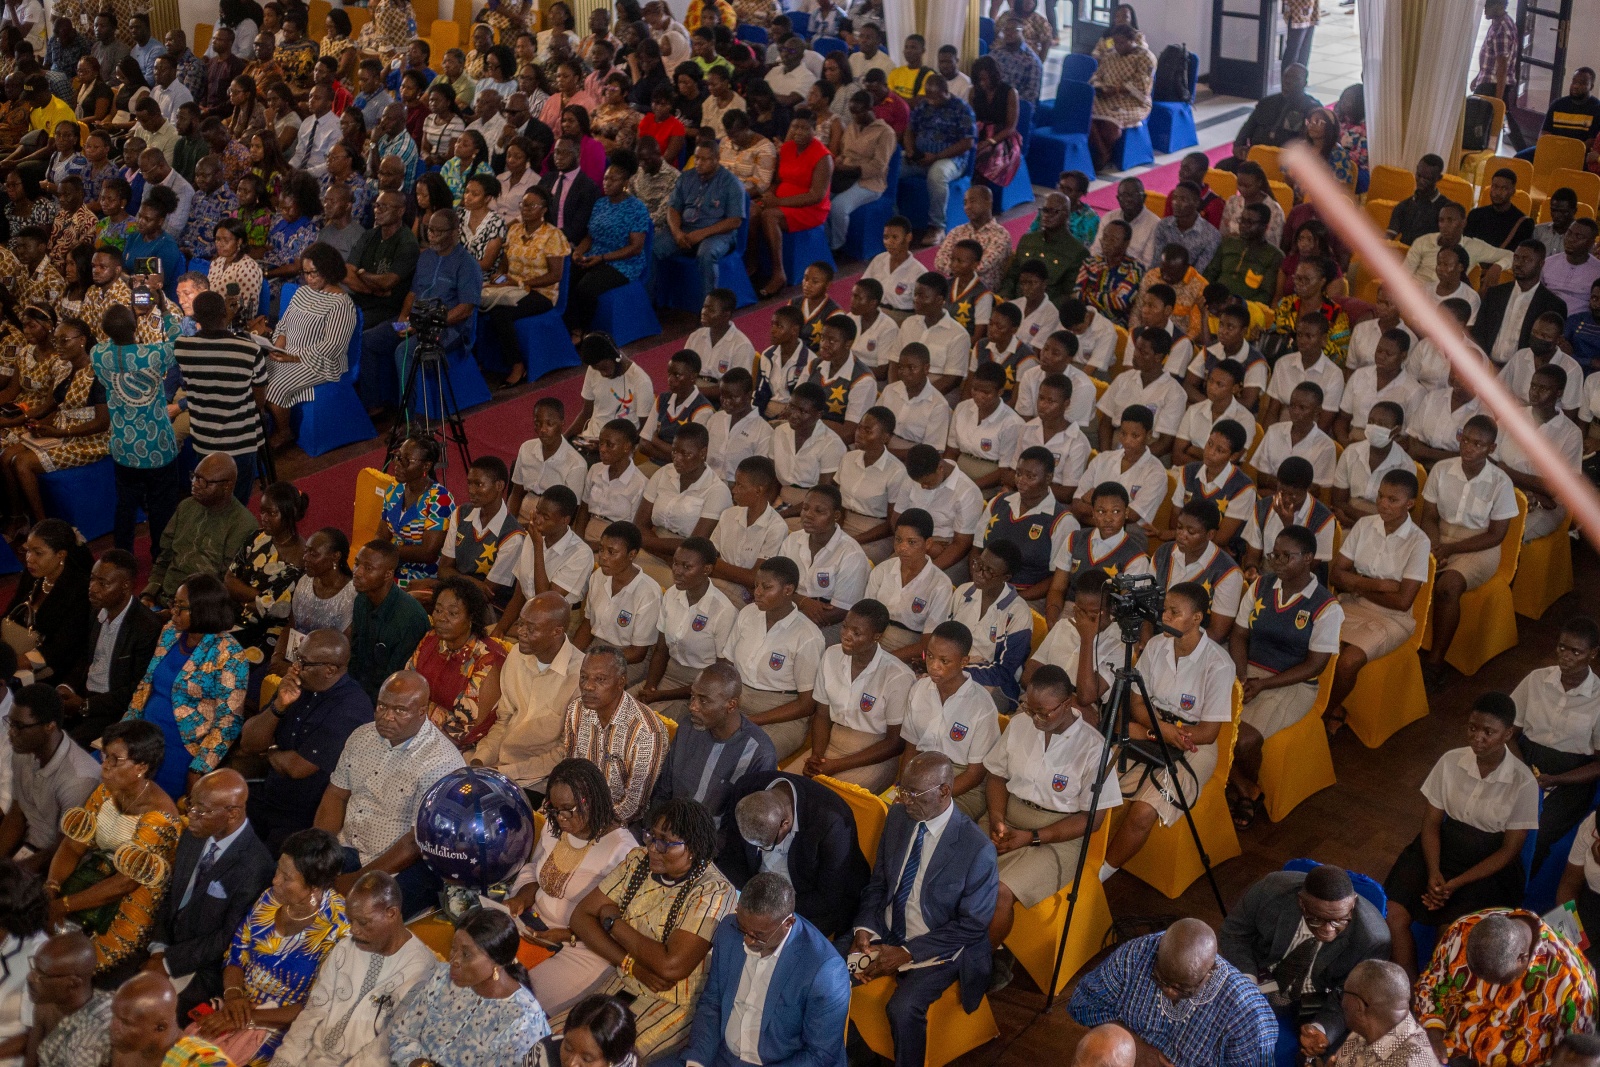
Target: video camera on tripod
[1134, 599]
[429, 320]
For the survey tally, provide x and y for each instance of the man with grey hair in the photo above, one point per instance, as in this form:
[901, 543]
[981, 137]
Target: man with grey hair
[797, 827]
[1377, 1013]
[605, 725]
[776, 990]
[363, 979]
[716, 747]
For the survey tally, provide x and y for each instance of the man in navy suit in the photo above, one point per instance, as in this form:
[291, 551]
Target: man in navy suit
[776, 991]
[929, 902]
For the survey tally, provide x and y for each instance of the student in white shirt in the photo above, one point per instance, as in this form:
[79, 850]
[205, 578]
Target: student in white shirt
[1057, 356]
[1111, 543]
[1558, 712]
[1147, 385]
[1051, 430]
[1467, 506]
[1097, 337]
[1194, 554]
[849, 385]
[921, 413]
[946, 340]
[896, 269]
[1545, 512]
[1292, 503]
[1155, 313]
[1130, 464]
[984, 429]
[551, 558]
[1354, 492]
[696, 619]
[1386, 379]
[783, 363]
[548, 458]
[777, 650]
[938, 487]
[750, 531]
[683, 499]
[1434, 432]
[862, 694]
[1306, 363]
[720, 344]
[623, 605]
[1427, 362]
[1482, 804]
[1220, 402]
[805, 452]
[614, 486]
[1299, 435]
[678, 405]
[1190, 681]
[1040, 319]
[870, 479]
[1452, 264]
[1378, 571]
[737, 430]
[1233, 323]
[950, 713]
[1541, 351]
[877, 342]
[1060, 646]
[833, 568]
[1001, 622]
[911, 586]
[614, 387]
[1365, 335]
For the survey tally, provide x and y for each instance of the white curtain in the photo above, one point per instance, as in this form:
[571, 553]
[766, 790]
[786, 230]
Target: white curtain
[1439, 88]
[900, 22]
[1382, 66]
[947, 24]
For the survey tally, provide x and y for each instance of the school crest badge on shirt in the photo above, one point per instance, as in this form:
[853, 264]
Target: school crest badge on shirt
[1186, 702]
[624, 618]
[1058, 783]
[868, 702]
[824, 579]
[699, 623]
[958, 731]
[1302, 619]
[776, 661]
[918, 605]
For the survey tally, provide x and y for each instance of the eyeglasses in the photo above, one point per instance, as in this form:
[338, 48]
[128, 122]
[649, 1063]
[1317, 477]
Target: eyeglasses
[311, 665]
[199, 479]
[559, 812]
[906, 794]
[660, 844]
[204, 811]
[1283, 556]
[1323, 924]
[13, 724]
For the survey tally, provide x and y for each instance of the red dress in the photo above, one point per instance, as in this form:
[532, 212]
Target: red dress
[794, 178]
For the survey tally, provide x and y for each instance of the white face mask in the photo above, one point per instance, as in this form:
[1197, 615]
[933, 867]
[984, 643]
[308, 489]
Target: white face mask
[1379, 436]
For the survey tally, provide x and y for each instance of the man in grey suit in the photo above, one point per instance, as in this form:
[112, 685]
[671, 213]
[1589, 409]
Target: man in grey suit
[1300, 935]
[929, 902]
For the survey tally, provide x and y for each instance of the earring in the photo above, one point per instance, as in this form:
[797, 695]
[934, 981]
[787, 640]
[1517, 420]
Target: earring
[495, 977]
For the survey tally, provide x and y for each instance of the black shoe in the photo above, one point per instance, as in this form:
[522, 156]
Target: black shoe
[1001, 969]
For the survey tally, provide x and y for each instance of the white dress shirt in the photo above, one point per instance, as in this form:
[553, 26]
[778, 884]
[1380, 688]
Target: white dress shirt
[1506, 800]
[318, 134]
[99, 678]
[743, 1034]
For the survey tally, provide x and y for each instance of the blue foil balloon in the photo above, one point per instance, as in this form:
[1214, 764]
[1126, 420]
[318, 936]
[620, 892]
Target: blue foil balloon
[475, 828]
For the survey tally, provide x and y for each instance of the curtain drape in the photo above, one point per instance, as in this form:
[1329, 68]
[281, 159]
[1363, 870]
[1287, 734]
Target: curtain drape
[899, 22]
[1416, 56]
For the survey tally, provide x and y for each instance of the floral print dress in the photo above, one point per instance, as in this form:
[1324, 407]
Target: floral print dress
[286, 243]
[454, 681]
[260, 566]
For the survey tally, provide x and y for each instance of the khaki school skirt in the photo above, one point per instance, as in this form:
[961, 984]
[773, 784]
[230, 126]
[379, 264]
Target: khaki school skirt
[1275, 710]
[1034, 874]
[787, 737]
[1475, 567]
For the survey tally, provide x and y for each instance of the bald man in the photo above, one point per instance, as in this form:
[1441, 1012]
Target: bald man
[1107, 1045]
[301, 733]
[715, 746]
[145, 1031]
[1377, 1007]
[1213, 1015]
[205, 534]
[220, 868]
[535, 684]
[71, 1018]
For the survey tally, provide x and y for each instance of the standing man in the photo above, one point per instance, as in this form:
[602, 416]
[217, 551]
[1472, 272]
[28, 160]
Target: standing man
[1497, 63]
[50, 775]
[225, 378]
[1300, 16]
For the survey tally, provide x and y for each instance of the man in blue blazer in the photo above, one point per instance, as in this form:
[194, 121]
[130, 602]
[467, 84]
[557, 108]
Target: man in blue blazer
[929, 902]
[776, 991]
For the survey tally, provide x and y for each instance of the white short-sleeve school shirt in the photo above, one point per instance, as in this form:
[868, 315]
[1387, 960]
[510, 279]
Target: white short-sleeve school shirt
[1364, 338]
[1164, 398]
[993, 438]
[741, 541]
[869, 702]
[1080, 408]
[956, 504]
[734, 442]
[1473, 502]
[965, 727]
[923, 419]
[627, 396]
[804, 465]
[1376, 553]
[1063, 643]
[1195, 688]
[1255, 374]
[1508, 799]
[678, 508]
[1069, 447]
[869, 488]
[1517, 375]
[878, 344]
[1198, 422]
[1590, 409]
[837, 574]
[1053, 773]
[696, 633]
[920, 604]
[627, 616]
[1278, 444]
[1582, 853]
[899, 283]
[721, 356]
[782, 659]
[947, 341]
[1564, 719]
[1562, 433]
[1355, 471]
[1260, 537]
[1145, 481]
[535, 472]
[1097, 342]
[1038, 324]
[568, 563]
[615, 498]
[1363, 391]
[1291, 370]
[1225, 597]
[1436, 424]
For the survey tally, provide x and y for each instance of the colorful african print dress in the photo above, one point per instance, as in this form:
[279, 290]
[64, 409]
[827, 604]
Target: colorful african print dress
[140, 847]
[410, 523]
[260, 566]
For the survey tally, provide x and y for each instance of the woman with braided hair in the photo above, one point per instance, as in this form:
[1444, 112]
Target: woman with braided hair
[653, 918]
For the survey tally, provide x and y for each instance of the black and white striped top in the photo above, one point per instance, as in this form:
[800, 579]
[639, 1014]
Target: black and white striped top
[317, 327]
[218, 373]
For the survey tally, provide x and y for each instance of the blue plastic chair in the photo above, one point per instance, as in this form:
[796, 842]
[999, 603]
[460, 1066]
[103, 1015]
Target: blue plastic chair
[752, 34]
[822, 46]
[9, 564]
[678, 282]
[864, 239]
[1540, 896]
[85, 497]
[1133, 148]
[1020, 189]
[912, 194]
[334, 416]
[986, 29]
[625, 312]
[803, 248]
[544, 340]
[1065, 144]
[1171, 122]
[1077, 67]
[1369, 888]
[800, 22]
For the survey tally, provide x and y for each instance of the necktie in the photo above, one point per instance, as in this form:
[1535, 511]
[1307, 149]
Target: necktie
[335, 1034]
[1292, 971]
[202, 872]
[561, 204]
[902, 892]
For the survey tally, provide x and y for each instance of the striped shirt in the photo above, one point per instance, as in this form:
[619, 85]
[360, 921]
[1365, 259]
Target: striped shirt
[629, 751]
[700, 766]
[218, 375]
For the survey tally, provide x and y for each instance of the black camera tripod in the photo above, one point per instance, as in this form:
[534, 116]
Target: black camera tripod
[427, 380]
[1117, 747]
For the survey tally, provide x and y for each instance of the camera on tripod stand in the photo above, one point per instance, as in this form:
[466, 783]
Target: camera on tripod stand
[1134, 599]
[429, 320]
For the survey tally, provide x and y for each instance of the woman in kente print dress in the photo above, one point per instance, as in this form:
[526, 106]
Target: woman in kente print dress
[277, 949]
[37, 367]
[416, 510]
[115, 857]
[71, 429]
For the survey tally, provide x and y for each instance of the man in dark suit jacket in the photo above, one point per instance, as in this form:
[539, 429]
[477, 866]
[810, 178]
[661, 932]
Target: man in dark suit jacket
[806, 832]
[220, 868]
[1527, 268]
[930, 851]
[95, 701]
[573, 193]
[805, 992]
[1288, 915]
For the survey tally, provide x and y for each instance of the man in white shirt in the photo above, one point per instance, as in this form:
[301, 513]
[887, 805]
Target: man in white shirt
[1545, 512]
[489, 119]
[319, 132]
[168, 91]
[791, 80]
[155, 168]
[1421, 260]
[1140, 220]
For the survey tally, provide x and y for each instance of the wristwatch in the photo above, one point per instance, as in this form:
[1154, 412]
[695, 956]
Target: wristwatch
[1035, 843]
[607, 922]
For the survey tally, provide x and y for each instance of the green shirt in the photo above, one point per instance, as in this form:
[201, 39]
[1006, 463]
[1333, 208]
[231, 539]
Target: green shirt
[1062, 255]
[382, 638]
[1249, 271]
[198, 540]
[190, 151]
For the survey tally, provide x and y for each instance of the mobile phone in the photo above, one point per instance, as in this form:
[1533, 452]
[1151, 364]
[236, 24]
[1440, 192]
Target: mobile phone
[148, 265]
[142, 298]
[400, 327]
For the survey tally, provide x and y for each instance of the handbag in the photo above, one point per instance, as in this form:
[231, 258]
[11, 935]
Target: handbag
[21, 639]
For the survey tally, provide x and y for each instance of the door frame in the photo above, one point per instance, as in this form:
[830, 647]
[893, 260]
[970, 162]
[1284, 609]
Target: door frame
[1251, 79]
[1527, 10]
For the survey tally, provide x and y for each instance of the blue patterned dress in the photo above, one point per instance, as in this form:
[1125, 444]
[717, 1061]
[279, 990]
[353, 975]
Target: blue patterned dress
[278, 970]
[442, 1023]
[455, 175]
[286, 243]
[610, 228]
[409, 525]
[134, 375]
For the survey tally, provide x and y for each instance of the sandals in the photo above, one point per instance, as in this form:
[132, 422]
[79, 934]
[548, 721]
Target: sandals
[1333, 721]
[1244, 810]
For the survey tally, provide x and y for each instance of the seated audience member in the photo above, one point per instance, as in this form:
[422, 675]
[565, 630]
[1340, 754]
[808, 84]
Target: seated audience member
[1482, 803]
[1037, 827]
[750, 531]
[804, 451]
[376, 789]
[777, 650]
[896, 269]
[1308, 362]
[946, 933]
[71, 1018]
[1213, 478]
[1058, 421]
[1422, 258]
[485, 983]
[1131, 465]
[715, 745]
[1299, 435]
[784, 363]
[121, 642]
[207, 531]
[622, 608]
[91, 880]
[456, 658]
[1109, 279]
[1033, 520]
[1418, 213]
[1111, 543]
[386, 622]
[300, 734]
[348, 1014]
[939, 487]
[1190, 681]
[850, 384]
[1246, 262]
[707, 206]
[1500, 222]
[911, 586]
[482, 538]
[1545, 512]
[921, 413]
[936, 143]
[1291, 504]
[1434, 433]
[1353, 493]
[1286, 629]
[547, 458]
[530, 691]
[864, 155]
[683, 499]
[1302, 934]
[949, 713]
[416, 509]
[1509, 310]
[323, 599]
[862, 691]
[1052, 247]
[1279, 118]
[1214, 1013]
[696, 619]
[1220, 402]
[675, 407]
[1558, 721]
[49, 776]
[1468, 504]
[999, 619]
[947, 342]
[1038, 318]
[614, 387]
[870, 478]
[1378, 571]
[50, 602]
[1580, 878]
[1193, 556]
[1497, 965]
[274, 956]
[802, 830]
[1385, 379]
[653, 919]
[767, 944]
[737, 429]
[607, 726]
[614, 486]
[150, 1033]
[1089, 621]
[984, 428]
[577, 809]
[833, 568]
[1376, 1002]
